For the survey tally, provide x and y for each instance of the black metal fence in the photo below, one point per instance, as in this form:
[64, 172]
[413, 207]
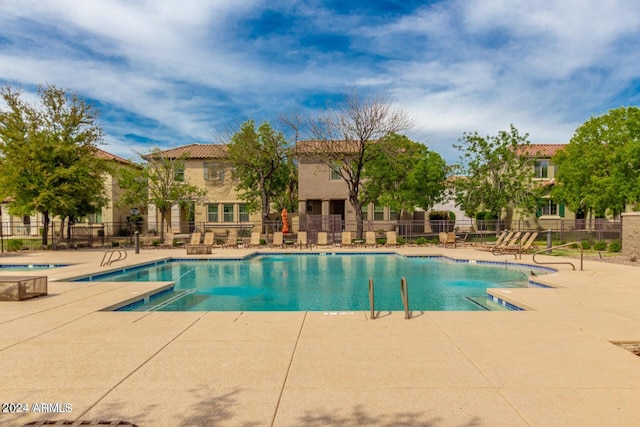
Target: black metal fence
[121, 234]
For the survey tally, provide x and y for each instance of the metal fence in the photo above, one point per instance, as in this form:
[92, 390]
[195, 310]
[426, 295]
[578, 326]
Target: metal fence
[121, 234]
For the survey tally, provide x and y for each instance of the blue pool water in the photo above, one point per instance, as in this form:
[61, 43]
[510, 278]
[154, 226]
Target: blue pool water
[29, 267]
[321, 283]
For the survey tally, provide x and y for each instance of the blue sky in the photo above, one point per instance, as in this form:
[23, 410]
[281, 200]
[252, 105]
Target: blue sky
[167, 73]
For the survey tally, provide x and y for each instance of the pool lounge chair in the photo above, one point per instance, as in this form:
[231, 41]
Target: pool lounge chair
[505, 236]
[255, 239]
[323, 239]
[278, 240]
[194, 247]
[346, 239]
[462, 241]
[515, 241]
[392, 238]
[302, 240]
[370, 239]
[526, 244]
[232, 240]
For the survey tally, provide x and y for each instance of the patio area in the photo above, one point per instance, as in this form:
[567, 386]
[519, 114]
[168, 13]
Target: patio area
[551, 365]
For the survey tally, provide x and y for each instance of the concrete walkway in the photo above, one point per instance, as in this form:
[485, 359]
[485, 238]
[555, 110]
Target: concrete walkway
[552, 365]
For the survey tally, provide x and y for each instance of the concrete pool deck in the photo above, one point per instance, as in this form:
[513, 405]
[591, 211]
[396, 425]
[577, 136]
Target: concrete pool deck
[552, 365]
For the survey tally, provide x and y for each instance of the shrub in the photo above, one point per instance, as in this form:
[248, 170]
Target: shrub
[615, 246]
[14, 245]
[573, 246]
[585, 245]
[421, 241]
[115, 244]
[381, 241]
[438, 215]
[600, 245]
[263, 242]
[401, 240]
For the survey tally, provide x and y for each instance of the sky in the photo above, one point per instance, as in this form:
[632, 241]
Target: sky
[165, 73]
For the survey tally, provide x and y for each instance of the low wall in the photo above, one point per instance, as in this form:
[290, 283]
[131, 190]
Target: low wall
[631, 234]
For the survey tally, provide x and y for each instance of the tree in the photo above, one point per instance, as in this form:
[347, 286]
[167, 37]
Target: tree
[343, 140]
[48, 163]
[403, 174]
[160, 182]
[261, 162]
[599, 169]
[497, 174]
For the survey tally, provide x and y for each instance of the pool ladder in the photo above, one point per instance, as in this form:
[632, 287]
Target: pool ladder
[404, 294]
[108, 257]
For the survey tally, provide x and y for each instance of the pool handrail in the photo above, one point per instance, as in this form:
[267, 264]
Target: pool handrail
[371, 300]
[110, 260]
[404, 293]
[548, 250]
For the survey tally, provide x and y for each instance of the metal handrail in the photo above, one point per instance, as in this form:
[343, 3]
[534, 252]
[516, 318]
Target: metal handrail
[122, 254]
[560, 262]
[371, 303]
[404, 293]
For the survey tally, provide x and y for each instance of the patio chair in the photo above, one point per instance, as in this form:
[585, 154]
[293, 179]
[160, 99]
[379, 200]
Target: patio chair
[232, 239]
[370, 239]
[323, 239]
[255, 239]
[197, 248]
[209, 238]
[462, 240]
[526, 244]
[505, 236]
[392, 238]
[442, 237]
[278, 240]
[346, 239]
[451, 239]
[302, 239]
[515, 242]
[195, 238]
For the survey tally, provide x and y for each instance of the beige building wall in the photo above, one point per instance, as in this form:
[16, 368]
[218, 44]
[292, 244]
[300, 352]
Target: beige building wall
[631, 234]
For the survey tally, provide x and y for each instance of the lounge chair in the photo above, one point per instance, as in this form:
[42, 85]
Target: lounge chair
[462, 240]
[209, 238]
[232, 240]
[346, 239]
[278, 240]
[442, 237]
[370, 239]
[302, 239]
[323, 239]
[515, 242]
[526, 244]
[392, 238]
[194, 247]
[504, 237]
[255, 239]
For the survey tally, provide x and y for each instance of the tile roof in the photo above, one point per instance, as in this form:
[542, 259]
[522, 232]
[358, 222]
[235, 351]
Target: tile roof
[101, 154]
[197, 151]
[335, 146]
[544, 150]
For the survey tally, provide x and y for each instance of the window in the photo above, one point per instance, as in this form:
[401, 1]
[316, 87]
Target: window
[243, 212]
[393, 215]
[541, 169]
[335, 173]
[378, 213]
[212, 213]
[178, 174]
[227, 213]
[213, 170]
[548, 207]
[365, 212]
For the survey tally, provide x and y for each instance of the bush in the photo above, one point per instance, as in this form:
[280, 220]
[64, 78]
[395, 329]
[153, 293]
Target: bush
[573, 246]
[263, 242]
[585, 245]
[615, 246]
[421, 241]
[600, 245]
[439, 215]
[115, 244]
[401, 240]
[381, 241]
[14, 245]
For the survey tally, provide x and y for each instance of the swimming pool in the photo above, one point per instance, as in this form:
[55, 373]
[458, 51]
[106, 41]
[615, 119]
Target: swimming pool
[29, 267]
[329, 282]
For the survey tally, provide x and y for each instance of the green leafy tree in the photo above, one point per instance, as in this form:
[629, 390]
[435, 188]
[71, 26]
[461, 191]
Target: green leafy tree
[262, 165]
[48, 163]
[403, 174]
[343, 140]
[599, 169]
[497, 174]
[160, 182]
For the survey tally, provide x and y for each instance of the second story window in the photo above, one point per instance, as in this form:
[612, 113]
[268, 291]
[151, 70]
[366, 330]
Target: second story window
[213, 171]
[541, 169]
[178, 174]
[335, 173]
[378, 213]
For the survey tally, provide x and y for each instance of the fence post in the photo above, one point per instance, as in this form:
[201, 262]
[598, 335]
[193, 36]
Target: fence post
[136, 239]
[549, 243]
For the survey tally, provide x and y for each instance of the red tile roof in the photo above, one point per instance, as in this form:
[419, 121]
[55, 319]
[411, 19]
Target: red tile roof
[543, 150]
[197, 151]
[101, 154]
